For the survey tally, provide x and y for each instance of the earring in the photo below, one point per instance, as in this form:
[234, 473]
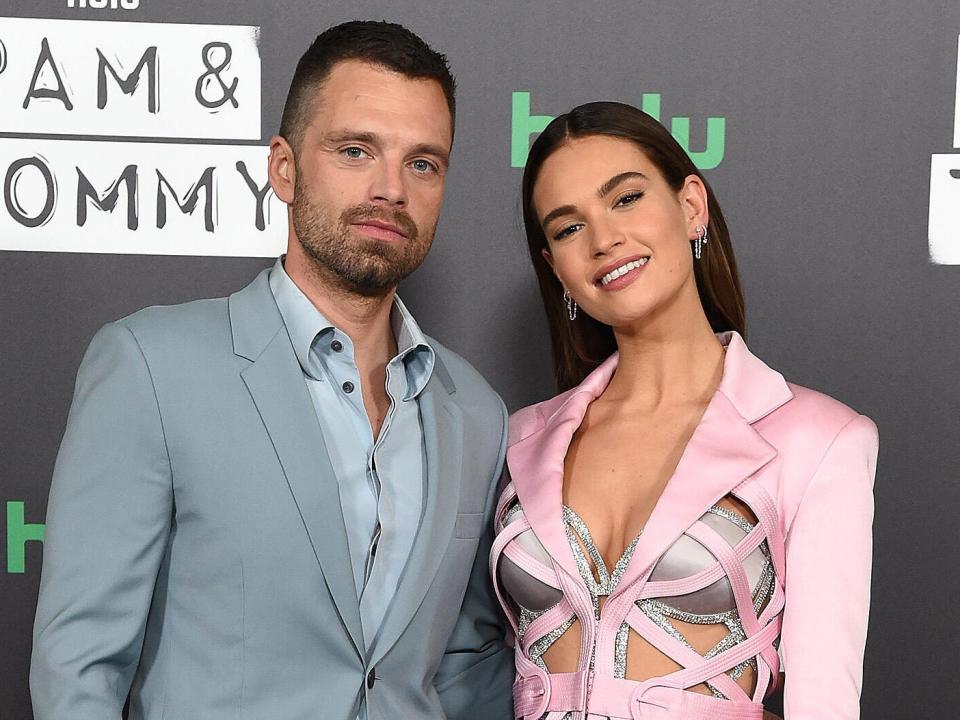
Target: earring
[700, 241]
[571, 305]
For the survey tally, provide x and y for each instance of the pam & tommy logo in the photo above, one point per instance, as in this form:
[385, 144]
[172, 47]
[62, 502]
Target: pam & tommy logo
[944, 224]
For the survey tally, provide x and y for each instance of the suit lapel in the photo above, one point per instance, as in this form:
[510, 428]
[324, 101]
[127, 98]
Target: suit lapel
[275, 382]
[442, 424]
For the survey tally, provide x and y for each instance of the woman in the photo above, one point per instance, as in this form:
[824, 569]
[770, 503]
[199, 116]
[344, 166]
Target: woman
[680, 523]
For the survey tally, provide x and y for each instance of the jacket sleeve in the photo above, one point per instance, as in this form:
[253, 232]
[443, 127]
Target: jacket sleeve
[828, 562]
[108, 521]
[475, 679]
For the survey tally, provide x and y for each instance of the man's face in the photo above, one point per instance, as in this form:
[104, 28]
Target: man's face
[370, 174]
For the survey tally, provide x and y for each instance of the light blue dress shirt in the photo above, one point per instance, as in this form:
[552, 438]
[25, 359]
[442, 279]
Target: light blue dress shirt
[382, 481]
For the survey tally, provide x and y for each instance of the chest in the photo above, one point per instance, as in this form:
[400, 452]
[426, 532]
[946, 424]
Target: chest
[616, 468]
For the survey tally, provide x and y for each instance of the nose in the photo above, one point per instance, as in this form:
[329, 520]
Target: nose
[604, 239]
[388, 186]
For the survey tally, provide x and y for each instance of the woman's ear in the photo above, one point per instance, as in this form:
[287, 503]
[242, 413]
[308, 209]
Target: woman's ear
[282, 169]
[549, 258]
[693, 200]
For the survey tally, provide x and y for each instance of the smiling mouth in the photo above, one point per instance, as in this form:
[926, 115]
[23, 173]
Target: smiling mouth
[622, 270]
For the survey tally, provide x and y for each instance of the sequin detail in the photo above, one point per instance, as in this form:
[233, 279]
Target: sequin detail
[511, 512]
[538, 648]
[601, 582]
[620, 651]
[577, 533]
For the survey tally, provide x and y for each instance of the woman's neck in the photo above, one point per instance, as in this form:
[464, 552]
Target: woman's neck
[667, 360]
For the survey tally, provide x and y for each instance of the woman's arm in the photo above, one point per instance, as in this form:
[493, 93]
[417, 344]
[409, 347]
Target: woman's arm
[828, 558]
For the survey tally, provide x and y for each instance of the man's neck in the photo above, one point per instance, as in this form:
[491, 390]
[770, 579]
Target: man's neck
[364, 319]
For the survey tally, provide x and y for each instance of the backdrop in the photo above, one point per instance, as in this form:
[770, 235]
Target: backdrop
[132, 147]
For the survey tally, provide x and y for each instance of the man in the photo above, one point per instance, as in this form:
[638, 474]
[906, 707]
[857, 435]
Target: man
[277, 505]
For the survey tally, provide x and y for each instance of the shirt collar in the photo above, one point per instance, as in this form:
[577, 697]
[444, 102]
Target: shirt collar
[305, 323]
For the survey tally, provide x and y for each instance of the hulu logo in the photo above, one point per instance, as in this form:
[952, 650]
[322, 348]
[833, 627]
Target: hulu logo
[19, 533]
[523, 125]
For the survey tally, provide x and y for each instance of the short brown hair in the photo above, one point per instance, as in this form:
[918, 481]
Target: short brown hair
[381, 43]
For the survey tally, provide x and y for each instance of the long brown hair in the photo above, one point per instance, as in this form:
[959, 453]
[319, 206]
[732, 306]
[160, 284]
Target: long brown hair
[580, 346]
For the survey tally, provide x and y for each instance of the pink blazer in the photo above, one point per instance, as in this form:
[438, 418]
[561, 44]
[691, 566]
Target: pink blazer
[804, 464]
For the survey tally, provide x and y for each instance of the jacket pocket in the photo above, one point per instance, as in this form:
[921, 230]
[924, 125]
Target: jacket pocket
[469, 525]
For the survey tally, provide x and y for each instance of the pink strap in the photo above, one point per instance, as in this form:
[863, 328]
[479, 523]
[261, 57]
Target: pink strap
[530, 697]
[737, 576]
[715, 668]
[503, 537]
[755, 495]
[549, 621]
[534, 695]
[706, 577]
[568, 692]
[529, 564]
[612, 697]
[686, 657]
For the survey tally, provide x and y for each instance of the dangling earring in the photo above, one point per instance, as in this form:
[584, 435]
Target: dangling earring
[700, 241]
[571, 305]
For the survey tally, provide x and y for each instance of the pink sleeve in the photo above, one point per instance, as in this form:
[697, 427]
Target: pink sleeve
[828, 558]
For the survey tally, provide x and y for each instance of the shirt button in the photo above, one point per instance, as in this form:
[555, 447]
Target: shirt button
[336, 346]
[371, 679]
[348, 387]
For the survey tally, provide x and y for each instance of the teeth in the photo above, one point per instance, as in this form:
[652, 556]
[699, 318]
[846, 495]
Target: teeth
[622, 270]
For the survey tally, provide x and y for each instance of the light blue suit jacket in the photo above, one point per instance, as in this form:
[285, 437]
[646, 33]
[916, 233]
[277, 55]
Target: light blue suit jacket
[196, 555]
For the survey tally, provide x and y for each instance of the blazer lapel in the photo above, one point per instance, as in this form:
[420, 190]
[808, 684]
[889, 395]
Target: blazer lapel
[723, 451]
[442, 424]
[536, 467]
[275, 382]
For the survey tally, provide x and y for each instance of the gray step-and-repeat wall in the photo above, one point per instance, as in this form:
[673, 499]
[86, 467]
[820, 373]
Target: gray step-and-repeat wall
[132, 147]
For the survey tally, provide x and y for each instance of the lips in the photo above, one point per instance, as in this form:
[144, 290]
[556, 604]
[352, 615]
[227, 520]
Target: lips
[379, 223]
[381, 229]
[618, 268]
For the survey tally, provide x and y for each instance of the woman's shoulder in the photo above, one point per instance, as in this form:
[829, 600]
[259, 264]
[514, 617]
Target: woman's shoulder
[811, 422]
[813, 408]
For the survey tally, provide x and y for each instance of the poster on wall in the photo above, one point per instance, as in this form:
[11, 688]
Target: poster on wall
[944, 227]
[128, 137]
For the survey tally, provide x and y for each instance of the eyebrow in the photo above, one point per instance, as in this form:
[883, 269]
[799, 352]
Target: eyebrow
[602, 191]
[339, 136]
[557, 212]
[617, 179]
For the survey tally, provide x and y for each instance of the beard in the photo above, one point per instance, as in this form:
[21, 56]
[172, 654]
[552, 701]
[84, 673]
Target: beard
[361, 265]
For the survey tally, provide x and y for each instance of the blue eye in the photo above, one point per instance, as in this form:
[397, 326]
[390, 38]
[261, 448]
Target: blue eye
[353, 152]
[567, 231]
[423, 166]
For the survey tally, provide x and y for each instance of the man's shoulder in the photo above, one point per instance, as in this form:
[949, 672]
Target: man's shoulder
[200, 324]
[172, 325]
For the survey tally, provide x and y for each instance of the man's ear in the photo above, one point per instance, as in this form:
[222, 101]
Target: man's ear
[282, 168]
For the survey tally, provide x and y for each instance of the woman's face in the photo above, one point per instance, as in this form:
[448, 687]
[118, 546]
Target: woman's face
[618, 236]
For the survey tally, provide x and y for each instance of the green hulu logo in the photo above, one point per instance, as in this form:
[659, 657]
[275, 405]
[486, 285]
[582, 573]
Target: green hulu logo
[524, 125]
[19, 533]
